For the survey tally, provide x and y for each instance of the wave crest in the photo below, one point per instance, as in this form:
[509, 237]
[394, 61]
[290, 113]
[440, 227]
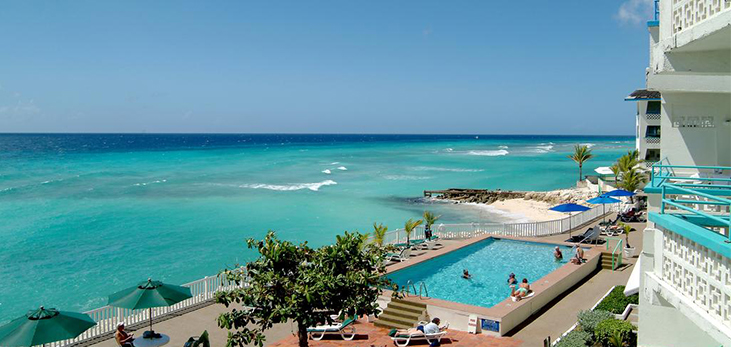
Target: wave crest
[296, 186]
[487, 153]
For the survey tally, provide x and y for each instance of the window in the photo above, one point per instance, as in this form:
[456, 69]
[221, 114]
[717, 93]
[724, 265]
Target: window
[653, 131]
[653, 107]
[652, 155]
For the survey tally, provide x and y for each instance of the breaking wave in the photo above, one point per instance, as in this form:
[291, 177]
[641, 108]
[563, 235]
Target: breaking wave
[343, 168]
[590, 145]
[326, 171]
[405, 177]
[445, 169]
[496, 153]
[296, 186]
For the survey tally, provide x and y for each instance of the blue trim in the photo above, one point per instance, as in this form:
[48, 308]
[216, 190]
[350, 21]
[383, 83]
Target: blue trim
[653, 23]
[698, 234]
[636, 99]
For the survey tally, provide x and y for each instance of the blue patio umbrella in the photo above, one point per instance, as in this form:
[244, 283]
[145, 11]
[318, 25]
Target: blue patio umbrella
[619, 192]
[569, 208]
[603, 200]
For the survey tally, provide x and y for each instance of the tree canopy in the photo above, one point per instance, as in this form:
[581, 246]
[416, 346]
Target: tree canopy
[302, 284]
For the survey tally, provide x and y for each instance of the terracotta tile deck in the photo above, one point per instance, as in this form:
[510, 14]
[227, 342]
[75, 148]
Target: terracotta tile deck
[371, 336]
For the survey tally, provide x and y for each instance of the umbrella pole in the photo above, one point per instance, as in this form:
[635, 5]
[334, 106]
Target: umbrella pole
[150, 318]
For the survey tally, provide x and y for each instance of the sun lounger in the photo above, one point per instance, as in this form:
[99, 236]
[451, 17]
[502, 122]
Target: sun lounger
[402, 256]
[590, 236]
[403, 340]
[345, 329]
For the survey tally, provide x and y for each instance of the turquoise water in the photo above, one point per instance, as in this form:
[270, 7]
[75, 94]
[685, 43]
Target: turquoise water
[82, 216]
[489, 262]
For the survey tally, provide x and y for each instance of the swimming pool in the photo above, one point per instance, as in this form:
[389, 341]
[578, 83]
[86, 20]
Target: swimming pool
[489, 262]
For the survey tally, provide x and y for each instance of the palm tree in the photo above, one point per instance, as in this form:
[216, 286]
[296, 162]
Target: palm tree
[632, 179]
[627, 162]
[379, 233]
[581, 154]
[430, 218]
[409, 228]
[616, 171]
[627, 229]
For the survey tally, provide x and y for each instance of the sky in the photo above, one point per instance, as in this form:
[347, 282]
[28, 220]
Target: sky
[430, 67]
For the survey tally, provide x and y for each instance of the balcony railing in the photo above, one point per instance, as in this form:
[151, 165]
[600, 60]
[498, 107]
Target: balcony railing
[652, 139]
[697, 193]
[687, 13]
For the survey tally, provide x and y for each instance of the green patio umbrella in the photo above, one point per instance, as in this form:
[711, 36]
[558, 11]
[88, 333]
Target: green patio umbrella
[44, 325]
[149, 294]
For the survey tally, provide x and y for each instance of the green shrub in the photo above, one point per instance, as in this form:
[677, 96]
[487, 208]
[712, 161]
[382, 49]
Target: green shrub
[589, 319]
[613, 327]
[576, 338]
[616, 302]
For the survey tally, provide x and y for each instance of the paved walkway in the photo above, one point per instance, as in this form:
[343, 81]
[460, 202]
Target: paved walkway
[560, 315]
[371, 336]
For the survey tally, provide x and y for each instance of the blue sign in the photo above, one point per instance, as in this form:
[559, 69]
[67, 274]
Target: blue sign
[491, 325]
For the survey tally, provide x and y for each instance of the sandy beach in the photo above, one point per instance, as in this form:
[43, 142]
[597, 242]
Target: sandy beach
[532, 210]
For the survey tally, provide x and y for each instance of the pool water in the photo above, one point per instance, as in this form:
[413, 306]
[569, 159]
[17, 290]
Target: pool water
[489, 262]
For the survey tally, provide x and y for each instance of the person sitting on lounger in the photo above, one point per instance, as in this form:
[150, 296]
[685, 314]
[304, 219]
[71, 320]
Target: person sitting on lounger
[466, 274]
[123, 338]
[557, 254]
[511, 279]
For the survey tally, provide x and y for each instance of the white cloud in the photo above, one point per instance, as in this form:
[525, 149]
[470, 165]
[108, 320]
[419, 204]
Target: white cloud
[635, 11]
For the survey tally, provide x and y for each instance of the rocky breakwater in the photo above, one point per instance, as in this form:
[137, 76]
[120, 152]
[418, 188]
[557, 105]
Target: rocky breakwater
[480, 196]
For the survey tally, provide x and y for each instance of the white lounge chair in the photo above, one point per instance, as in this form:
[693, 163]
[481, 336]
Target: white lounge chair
[402, 256]
[345, 329]
[403, 340]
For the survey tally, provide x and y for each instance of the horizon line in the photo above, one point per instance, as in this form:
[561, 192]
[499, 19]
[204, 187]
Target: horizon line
[305, 133]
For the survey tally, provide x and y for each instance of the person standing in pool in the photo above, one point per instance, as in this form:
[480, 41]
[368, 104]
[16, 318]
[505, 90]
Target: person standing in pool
[557, 255]
[511, 279]
[466, 274]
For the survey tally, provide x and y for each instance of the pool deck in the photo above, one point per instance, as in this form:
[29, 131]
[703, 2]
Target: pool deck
[552, 320]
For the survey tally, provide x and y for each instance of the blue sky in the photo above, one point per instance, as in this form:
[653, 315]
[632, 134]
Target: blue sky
[509, 67]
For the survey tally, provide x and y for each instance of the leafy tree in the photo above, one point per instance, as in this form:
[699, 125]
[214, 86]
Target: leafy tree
[616, 171]
[302, 284]
[409, 228]
[581, 154]
[430, 219]
[379, 233]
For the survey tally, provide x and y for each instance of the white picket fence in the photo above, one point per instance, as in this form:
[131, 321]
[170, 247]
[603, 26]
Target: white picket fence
[107, 317]
[529, 229]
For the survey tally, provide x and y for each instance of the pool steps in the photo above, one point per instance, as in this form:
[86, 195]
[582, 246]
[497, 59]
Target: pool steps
[401, 314]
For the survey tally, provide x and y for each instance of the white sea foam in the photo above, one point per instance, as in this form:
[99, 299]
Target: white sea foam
[448, 149]
[335, 163]
[487, 153]
[405, 177]
[326, 171]
[545, 148]
[590, 145]
[503, 147]
[445, 169]
[148, 183]
[343, 168]
[295, 186]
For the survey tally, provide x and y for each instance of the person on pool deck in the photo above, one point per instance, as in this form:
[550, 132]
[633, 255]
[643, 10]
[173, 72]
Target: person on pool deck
[578, 258]
[466, 274]
[123, 338]
[557, 254]
[430, 328]
[511, 279]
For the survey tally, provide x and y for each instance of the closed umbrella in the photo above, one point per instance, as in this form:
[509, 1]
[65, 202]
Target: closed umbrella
[149, 294]
[44, 325]
[568, 208]
[603, 200]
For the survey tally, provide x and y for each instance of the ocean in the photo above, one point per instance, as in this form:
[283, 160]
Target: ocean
[85, 215]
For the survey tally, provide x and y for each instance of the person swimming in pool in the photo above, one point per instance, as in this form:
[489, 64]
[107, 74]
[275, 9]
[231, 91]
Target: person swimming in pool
[512, 280]
[557, 255]
[466, 274]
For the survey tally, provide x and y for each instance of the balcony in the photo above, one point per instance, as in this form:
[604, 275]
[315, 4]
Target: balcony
[689, 13]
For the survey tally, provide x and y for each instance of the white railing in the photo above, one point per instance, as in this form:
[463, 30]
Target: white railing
[107, 317]
[529, 229]
[687, 13]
